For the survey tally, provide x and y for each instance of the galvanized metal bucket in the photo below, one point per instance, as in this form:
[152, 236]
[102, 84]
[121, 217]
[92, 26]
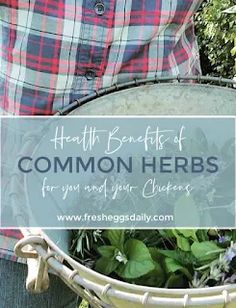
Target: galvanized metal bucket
[50, 248]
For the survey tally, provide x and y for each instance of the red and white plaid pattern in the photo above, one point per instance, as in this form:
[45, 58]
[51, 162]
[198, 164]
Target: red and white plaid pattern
[48, 47]
[53, 52]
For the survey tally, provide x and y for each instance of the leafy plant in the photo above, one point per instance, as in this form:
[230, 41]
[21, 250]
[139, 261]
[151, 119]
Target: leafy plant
[175, 258]
[128, 258]
[216, 31]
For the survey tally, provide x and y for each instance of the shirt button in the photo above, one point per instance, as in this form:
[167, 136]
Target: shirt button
[90, 75]
[99, 8]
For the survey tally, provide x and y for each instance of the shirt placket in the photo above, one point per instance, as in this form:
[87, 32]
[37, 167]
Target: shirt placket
[96, 36]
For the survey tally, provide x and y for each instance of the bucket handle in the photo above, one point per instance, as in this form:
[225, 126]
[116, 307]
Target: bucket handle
[37, 280]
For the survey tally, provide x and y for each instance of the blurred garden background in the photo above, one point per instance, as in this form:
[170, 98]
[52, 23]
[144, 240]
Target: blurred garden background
[216, 31]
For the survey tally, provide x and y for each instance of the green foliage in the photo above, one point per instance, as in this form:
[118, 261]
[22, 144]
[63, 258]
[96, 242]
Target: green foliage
[176, 258]
[205, 251]
[216, 31]
[116, 238]
[139, 260]
[129, 259]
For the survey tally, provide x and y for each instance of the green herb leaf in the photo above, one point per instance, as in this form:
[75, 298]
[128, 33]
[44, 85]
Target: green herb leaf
[202, 235]
[183, 243]
[189, 233]
[116, 238]
[155, 278]
[182, 257]
[106, 266]
[205, 251]
[139, 260]
[156, 255]
[173, 266]
[107, 251]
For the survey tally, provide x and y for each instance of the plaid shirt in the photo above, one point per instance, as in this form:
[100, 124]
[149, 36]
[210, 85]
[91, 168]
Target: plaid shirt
[53, 52]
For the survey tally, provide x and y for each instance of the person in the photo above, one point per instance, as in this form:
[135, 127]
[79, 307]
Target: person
[53, 52]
